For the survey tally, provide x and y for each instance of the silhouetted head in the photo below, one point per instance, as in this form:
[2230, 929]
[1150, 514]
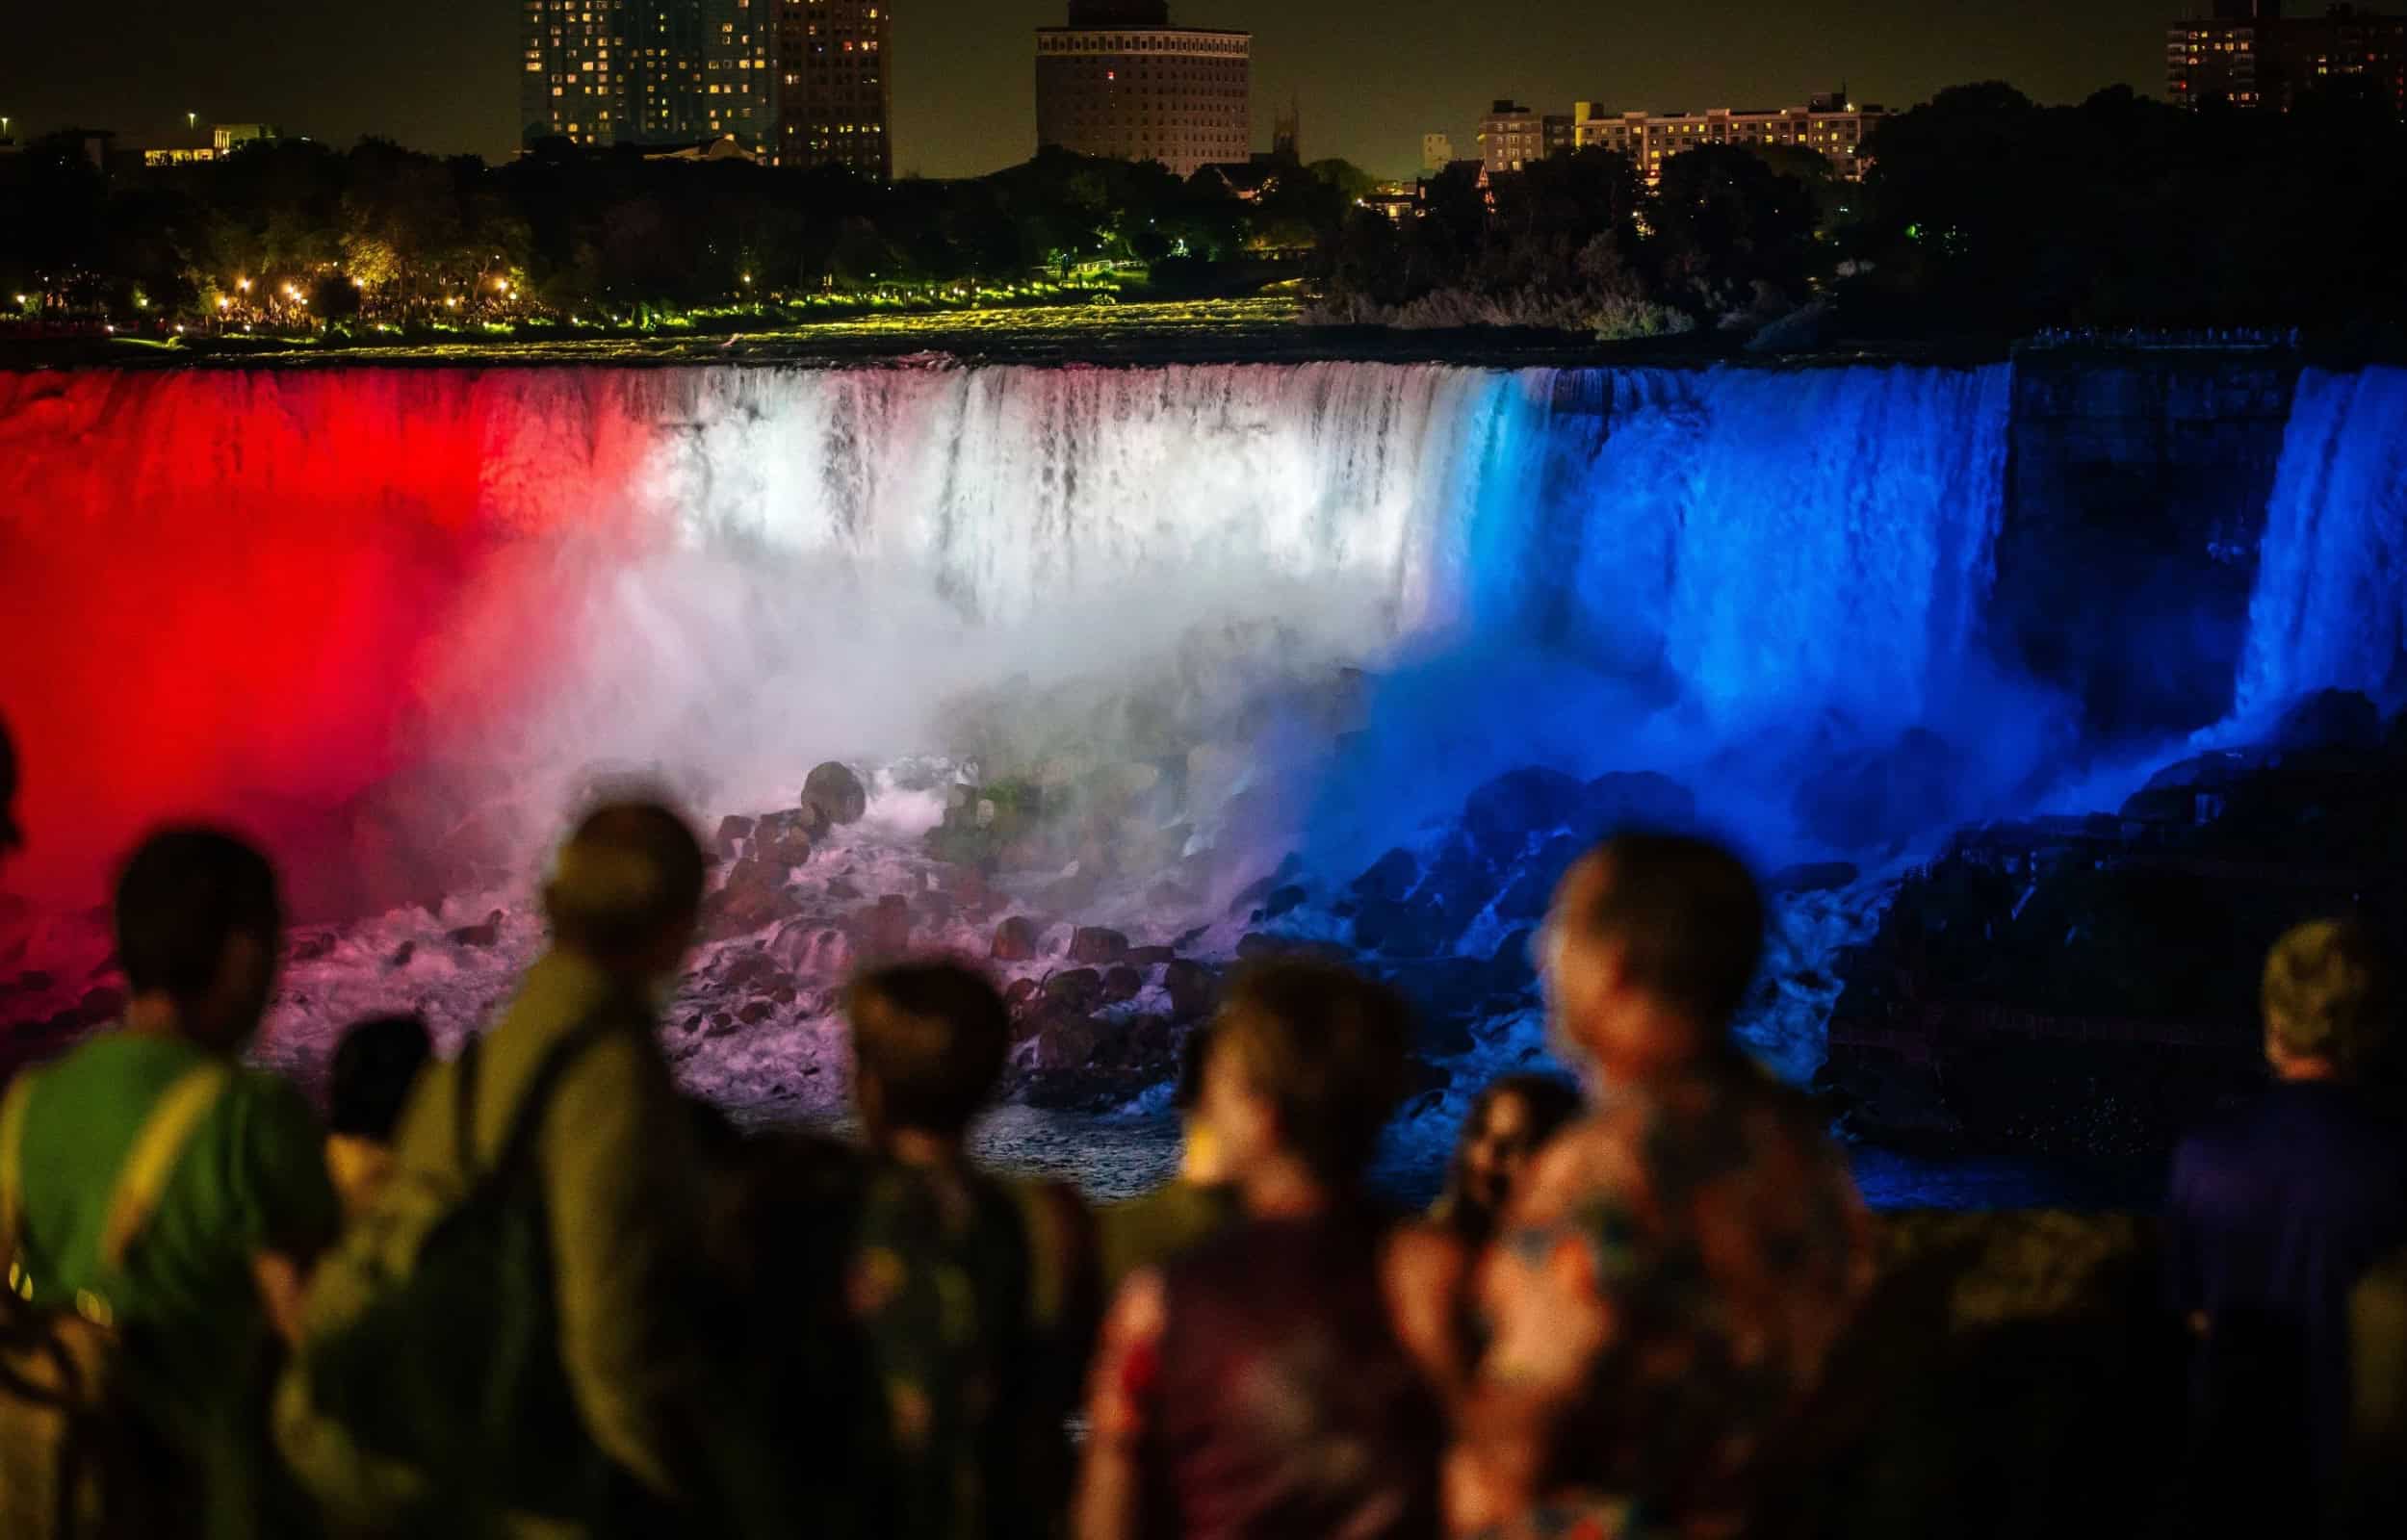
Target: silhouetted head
[2326, 1000]
[928, 1042]
[1306, 1063]
[1648, 951]
[374, 1067]
[627, 888]
[1509, 1123]
[11, 838]
[200, 929]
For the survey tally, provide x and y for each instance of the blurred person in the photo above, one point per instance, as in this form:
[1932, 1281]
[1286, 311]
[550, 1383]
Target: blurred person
[971, 1293]
[161, 1192]
[1674, 1269]
[1510, 1122]
[376, 1065]
[1193, 1205]
[1271, 1381]
[2274, 1212]
[510, 1332]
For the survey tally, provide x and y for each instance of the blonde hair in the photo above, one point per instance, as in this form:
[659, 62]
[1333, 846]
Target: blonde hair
[2324, 991]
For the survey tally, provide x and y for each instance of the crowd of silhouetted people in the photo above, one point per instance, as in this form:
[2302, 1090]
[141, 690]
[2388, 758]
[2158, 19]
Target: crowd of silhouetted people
[534, 1289]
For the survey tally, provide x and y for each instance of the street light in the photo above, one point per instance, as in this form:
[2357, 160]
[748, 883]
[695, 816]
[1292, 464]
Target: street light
[192, 120]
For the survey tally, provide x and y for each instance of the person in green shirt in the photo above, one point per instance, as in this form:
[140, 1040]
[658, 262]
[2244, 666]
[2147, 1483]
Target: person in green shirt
[162, 1190]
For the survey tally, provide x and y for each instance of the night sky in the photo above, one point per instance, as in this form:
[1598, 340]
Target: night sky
[1373, 75]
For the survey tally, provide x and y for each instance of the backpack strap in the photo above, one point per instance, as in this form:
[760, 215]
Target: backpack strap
[534, 1101]
[464, 1105]
[20, 1095]
[152, 1160]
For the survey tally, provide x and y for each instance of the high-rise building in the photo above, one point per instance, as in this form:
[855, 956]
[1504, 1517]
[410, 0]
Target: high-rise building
[575, 69]
[834, 96]
[792, 81]
[1437, 153]
[2250, 55]
[1120, 81]
[1831, 126]
[665, 89]
[739, 91]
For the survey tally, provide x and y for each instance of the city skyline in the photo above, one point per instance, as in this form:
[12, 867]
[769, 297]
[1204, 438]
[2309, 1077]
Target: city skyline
[1372, 76]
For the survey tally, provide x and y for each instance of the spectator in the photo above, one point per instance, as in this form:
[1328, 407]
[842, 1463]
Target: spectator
[1510, 1122]
[2274, 1212]
[1269, 1382]
[2375, 1495]
[1191, 1206]
[969, 1291]
[376, 1065]
[167, 1192]
[1674, 1270]
[571, 1084]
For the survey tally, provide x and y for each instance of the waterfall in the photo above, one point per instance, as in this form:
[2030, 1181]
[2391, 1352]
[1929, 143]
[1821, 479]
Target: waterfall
[2330, 607]
[278, 589]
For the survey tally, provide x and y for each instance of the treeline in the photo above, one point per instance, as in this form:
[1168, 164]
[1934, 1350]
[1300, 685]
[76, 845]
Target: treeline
[321, 233]
[1983, 212]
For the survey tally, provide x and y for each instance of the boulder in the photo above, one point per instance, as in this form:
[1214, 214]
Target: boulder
[1512, 967]
[1249, 897]
[784, 838]
[837, 792]
[1074, 988]
[2329, 718]
[1122, 983]
[1282, 901]
[1193, 988]
[1407, 928]
[936, 908]
[1068, 1042]
[1092, 943]
[732, 830]
[2210, 771]
[1015, 940]
[1447, 995]
[1020, 994]
[754, 896]
[1147, 957]
[1502, 815]
[1534, 885]
[1388, 878]
[485, 933]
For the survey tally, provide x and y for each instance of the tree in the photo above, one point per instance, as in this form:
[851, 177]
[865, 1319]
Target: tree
[1725, 225]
